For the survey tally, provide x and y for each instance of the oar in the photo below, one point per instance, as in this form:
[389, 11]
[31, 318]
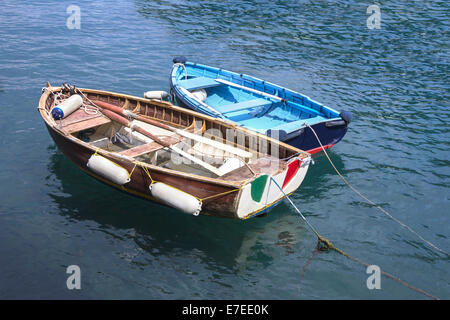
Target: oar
[190, 95]
[232, 84]
[215, 144]
[125, 122]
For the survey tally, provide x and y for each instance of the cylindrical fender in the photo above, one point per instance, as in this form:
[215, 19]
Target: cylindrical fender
[176, 198]
[158, 95]
[66, 107]
[108, 169]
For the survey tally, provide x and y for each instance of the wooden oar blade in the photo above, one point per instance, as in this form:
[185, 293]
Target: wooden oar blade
[108, 106]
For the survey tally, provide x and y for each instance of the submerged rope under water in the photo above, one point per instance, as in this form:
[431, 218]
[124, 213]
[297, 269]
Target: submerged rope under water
[324, 244]
[371, 202]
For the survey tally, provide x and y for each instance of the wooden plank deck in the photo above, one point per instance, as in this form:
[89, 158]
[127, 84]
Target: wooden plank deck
[80, 120]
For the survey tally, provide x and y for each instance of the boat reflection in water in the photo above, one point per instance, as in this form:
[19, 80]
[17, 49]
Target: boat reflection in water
[145, 231]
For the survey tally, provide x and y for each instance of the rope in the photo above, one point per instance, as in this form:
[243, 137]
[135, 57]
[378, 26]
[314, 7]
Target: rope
[87, 99]
[199, 199]
[129, 175]
[324, 244]
[219, 194]
[300, 213]
[152, 181]
[90, 109]
[302, 275]
[371, 202]
[148, 173]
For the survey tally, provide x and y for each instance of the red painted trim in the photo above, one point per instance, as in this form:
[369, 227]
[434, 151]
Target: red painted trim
[318, 149]
[291, 172]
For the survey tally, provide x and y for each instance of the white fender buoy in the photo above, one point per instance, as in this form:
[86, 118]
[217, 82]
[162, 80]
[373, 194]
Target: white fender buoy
[66, 107]
[176, 198]
[108, 169]
[158, 95]
[200, 94]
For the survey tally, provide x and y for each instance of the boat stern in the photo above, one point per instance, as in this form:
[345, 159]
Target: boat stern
[266, 191]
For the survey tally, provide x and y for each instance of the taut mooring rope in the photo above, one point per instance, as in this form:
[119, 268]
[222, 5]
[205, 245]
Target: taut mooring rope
[371, 202]
[324, 244]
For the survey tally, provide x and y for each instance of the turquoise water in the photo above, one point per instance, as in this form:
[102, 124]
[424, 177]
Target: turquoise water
[394, 80]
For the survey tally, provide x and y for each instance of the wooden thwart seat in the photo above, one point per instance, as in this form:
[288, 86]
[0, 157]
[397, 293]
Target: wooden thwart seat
[266, 165]
[80, 120]
[198, 83]
[149, 147]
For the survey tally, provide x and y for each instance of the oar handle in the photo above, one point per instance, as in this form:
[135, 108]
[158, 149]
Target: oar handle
[108, 106]
[124, 121]
[116, 117]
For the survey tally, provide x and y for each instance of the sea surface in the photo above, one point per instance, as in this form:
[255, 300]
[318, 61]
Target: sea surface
[394, 79]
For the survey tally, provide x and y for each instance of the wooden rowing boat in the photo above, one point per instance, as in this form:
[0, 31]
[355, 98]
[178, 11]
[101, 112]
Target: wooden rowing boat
[257, 105]
[170, 155]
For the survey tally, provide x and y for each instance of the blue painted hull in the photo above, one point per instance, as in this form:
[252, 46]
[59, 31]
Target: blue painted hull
[328, 136]
[283, 114]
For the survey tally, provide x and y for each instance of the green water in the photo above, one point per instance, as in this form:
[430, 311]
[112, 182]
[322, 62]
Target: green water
[393, 79]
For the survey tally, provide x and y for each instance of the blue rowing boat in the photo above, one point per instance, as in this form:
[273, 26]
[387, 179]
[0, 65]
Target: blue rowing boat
[257, 105]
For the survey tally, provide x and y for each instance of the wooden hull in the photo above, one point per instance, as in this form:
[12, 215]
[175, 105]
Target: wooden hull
[219, 197]
[139, 184]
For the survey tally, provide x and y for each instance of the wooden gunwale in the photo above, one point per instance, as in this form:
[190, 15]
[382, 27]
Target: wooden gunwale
[163, 104]
[79, 154]
[215, 121]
